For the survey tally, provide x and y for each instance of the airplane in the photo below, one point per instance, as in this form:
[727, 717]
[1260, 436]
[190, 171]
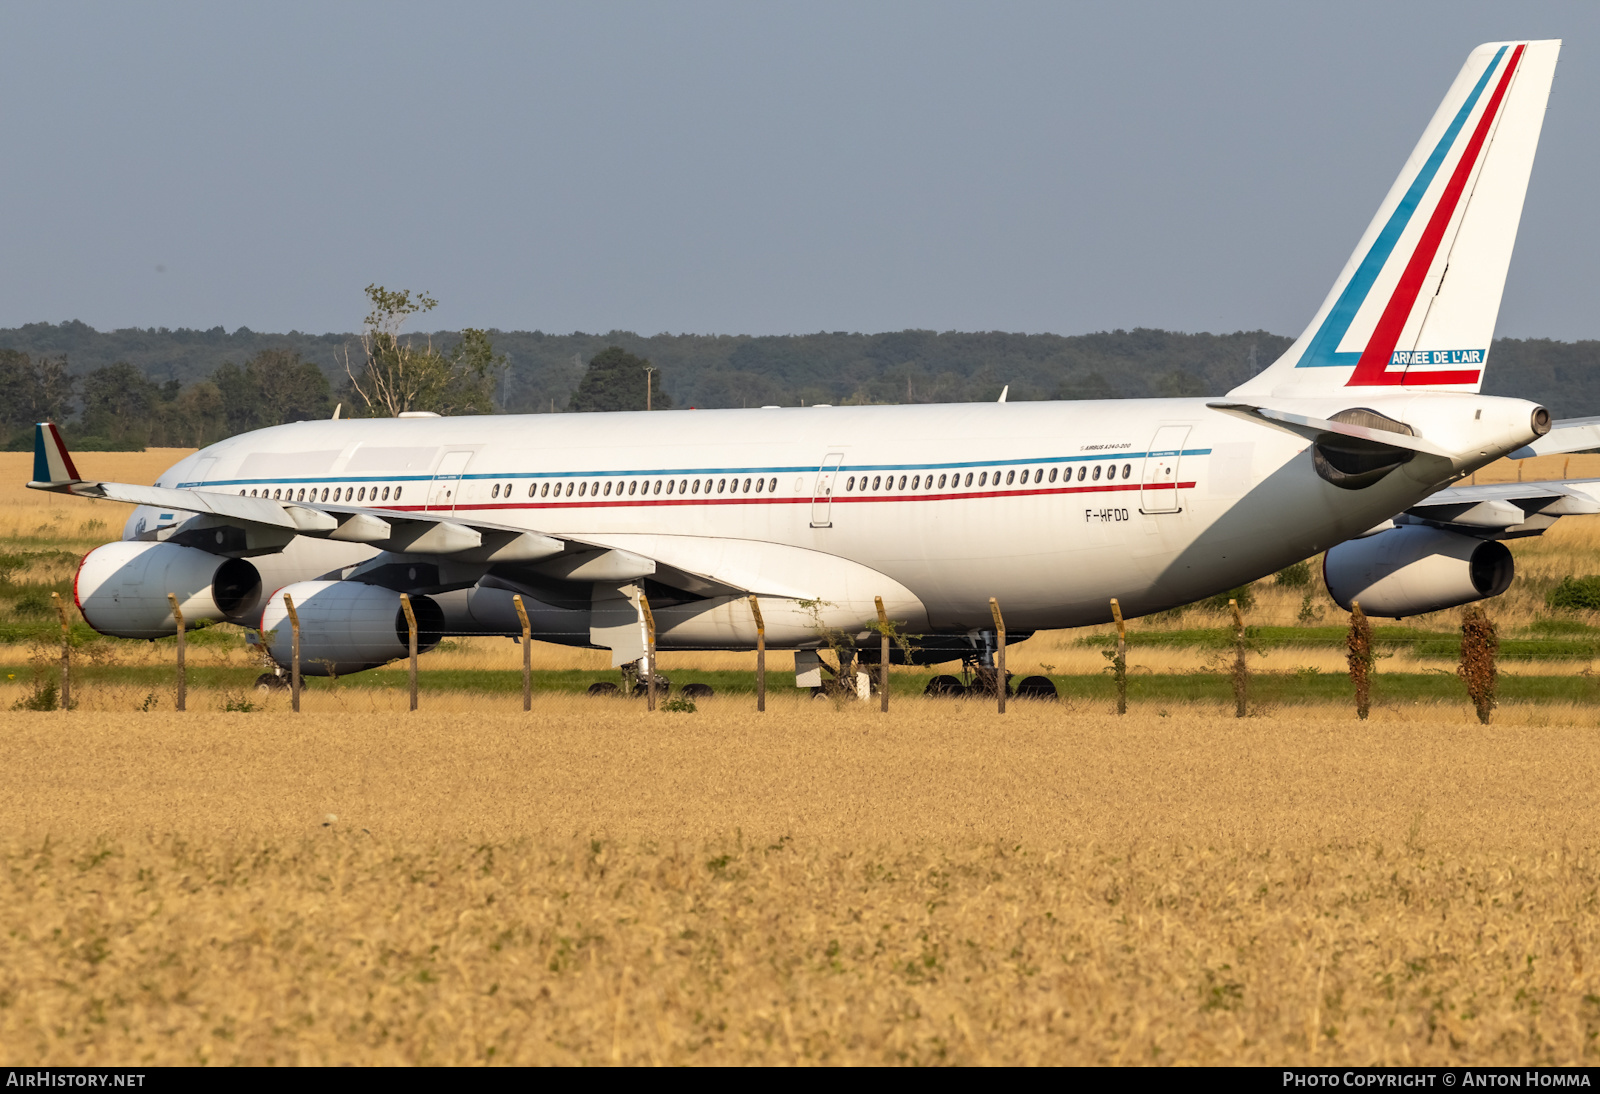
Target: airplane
[1354, 443]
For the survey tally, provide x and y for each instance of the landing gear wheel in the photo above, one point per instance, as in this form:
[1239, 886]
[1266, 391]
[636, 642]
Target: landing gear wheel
[945, 687]
[663, 688]
[271, 681]
[696, 691]
[604, 688]
[1037, 687]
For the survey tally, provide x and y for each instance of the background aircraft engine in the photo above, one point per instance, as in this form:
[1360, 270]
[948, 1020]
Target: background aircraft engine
[1415, 569]
[122, 588]
[346, 626]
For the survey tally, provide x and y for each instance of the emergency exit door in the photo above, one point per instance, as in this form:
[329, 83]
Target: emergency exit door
[445, 489]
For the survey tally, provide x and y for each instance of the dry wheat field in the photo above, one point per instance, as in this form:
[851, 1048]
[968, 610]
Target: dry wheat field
[818, 884]
[591, 883]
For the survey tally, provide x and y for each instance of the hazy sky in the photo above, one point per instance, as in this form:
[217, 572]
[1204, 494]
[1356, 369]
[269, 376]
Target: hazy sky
[754, 167]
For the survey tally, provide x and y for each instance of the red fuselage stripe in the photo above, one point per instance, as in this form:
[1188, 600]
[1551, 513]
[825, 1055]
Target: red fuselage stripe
[605, 503]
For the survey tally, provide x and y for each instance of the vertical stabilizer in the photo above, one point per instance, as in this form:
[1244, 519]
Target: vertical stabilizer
[1415, 306]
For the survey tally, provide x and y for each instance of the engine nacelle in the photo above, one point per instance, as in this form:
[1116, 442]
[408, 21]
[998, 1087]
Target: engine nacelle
[1414, 569]
[122, 588]
[346, 626]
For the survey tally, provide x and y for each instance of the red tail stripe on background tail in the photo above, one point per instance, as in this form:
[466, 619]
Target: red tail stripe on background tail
[61, 447]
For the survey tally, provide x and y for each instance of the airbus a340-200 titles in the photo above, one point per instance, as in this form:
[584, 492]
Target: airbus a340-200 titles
[1351, 443]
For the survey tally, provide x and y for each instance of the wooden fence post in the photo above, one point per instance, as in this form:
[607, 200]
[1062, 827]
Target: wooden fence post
[1120, 665]
[883, 655]
[66, 651]
[183, 683]
[411, 623]
[761, 655]
[1000, 653]
[527, 652]
[294, 653]
[649, 651]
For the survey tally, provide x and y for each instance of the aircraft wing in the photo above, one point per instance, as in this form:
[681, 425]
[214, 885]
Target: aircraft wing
[262, 526]
[1506, 510]
[1566, 435]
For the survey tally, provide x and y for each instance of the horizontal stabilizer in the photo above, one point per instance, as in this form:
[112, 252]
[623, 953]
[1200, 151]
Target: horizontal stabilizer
[1314, 429]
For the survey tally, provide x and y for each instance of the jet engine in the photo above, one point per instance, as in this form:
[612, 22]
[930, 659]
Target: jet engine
[347, 626]
[1415, 569]
[122, 588]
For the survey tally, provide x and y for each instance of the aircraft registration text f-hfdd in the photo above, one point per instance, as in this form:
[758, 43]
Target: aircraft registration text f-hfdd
[1350, 443]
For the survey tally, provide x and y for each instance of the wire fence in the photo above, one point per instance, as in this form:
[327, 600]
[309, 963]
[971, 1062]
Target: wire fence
[227, 668]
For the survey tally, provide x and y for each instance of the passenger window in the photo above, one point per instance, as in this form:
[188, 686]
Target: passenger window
[1096, 475]
[876, 482]
[1082, 471]
[1052, 475]
[508, 489]
[495, 493]
[746, 488]
[722, 485]
[1011, 477]
[983, 478]
[397, 493]
[1127, 469]
[669, 486]
[582, 487]
[772, 484]
[1111, 472]
[851, 485]
[657, 490]
[916, 482]
[696, 488]
[385, 493]
[633, 488]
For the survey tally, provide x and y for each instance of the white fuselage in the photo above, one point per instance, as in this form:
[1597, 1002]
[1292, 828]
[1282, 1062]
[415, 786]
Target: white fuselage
[1052, 508]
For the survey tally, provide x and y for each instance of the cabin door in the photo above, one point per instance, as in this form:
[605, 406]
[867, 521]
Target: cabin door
[822, 495]
[1158, 485]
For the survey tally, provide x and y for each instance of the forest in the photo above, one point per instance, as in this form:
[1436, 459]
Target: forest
[132, 388]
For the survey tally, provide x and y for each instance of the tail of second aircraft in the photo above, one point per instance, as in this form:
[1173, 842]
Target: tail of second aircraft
[1415, 306]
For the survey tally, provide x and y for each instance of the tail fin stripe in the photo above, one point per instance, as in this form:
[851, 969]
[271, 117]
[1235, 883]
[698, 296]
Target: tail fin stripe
[1373, 367]
[1324, 348]
[66, 457]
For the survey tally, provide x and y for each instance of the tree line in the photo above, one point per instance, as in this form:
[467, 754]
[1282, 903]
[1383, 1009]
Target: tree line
[135, 388]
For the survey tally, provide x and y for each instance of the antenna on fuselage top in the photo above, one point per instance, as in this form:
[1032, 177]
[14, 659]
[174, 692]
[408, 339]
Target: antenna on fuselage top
[1003, 393]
